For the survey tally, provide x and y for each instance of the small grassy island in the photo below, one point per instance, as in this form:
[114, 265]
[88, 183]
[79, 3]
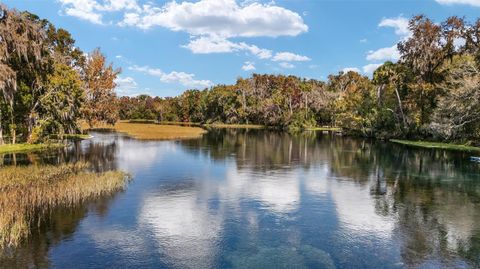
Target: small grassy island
[158, 132]
[152, 131]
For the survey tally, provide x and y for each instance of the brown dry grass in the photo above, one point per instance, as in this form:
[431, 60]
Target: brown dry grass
[28, 194]
[148, 131]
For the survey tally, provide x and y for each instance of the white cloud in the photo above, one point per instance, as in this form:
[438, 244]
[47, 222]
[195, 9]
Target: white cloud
[183, 78]
[210, 44]
[206, 45]
[215, 44]
[223, 18]
[289, 57]
[92, 10]
[211, 23]
[475, 3]
[370, 68]
[126, 86]
[248, 66]
[363, 40]
[351, 69]
[117, 5]
[383, 54]
[286, 65]
[400, 24]
[260, 53]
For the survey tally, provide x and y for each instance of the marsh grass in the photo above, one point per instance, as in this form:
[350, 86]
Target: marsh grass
[149, 131]
[28, 194]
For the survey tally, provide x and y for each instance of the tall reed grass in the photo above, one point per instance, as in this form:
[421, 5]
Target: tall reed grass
[28, 194]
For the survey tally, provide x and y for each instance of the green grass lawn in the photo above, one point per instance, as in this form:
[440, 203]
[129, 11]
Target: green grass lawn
[436, 145]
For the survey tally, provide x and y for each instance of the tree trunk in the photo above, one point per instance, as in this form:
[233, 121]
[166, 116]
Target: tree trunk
[379, 94]
[1, 129]
[13, 131]
[401, 107]
[30, 125]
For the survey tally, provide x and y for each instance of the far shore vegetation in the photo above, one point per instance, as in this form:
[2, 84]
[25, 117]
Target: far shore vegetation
[437, 145]
[48, 85]
[28, 194]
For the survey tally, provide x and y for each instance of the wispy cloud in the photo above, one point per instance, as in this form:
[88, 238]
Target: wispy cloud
[475, 3]
[384, 54]
[400, 24]
[289, 57]
[215, 44]
[185, 79]
[286, 65]
[248, 66]
[211, 44]
[93, 10]
[348, 69]
[370, 68]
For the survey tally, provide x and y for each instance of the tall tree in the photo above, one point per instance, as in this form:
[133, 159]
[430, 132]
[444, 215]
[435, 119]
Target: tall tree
[354, 106]
[60, 108]
[23, 59]
[458, 113]
[100, 99]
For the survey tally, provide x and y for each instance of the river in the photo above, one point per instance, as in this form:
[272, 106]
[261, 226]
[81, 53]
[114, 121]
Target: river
[240, 198]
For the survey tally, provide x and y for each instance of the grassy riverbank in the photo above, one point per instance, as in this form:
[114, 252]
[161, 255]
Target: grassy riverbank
[28, 194]
[24, 147]
[328, 129]
[209, 125]
[16, 148]
[235, 126]
[436, 145]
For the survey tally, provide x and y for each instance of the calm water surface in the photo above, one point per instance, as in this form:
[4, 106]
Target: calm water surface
[263, 199]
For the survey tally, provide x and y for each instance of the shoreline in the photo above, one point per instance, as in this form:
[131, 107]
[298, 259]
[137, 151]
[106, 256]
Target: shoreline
[162, 131]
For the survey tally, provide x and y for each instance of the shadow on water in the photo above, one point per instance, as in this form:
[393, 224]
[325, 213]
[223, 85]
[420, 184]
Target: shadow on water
[241, 198]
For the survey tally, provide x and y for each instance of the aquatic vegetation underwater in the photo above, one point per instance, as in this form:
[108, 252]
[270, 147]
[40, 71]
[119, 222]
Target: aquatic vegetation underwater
[29, 193]
[305, 256]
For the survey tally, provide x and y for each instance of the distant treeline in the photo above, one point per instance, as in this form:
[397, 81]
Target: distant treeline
[47, 84]
[433, 91]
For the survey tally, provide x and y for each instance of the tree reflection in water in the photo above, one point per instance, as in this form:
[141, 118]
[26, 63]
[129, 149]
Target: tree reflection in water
[236, 197]
[433, 195]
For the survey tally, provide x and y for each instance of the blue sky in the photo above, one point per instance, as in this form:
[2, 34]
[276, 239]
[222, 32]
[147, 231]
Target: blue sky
[166, 47]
